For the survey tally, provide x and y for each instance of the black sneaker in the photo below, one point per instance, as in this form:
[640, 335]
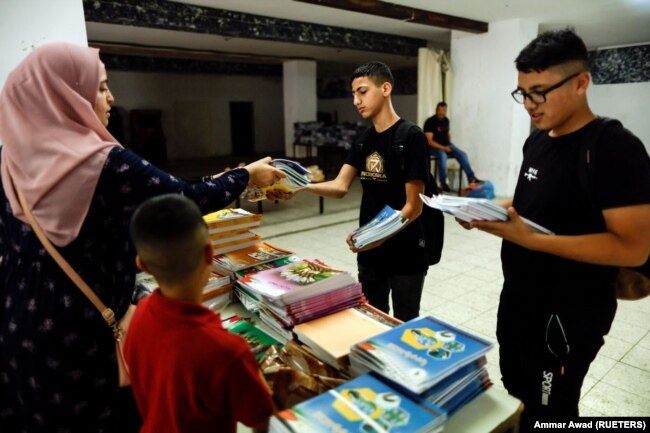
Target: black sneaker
[476, 180]
[445, 187]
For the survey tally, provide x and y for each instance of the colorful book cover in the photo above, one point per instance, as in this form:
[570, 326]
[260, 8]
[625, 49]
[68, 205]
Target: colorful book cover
[364, 404]
[251, 256]
[419, 353]
[298, 281]
[385, 223]
[258, 340]
[248, 272]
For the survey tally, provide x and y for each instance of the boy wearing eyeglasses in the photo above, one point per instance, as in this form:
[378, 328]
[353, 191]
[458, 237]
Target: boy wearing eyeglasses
[558, 297]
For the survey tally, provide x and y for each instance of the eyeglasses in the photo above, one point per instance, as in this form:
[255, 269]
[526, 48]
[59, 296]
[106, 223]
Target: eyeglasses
[538, 97]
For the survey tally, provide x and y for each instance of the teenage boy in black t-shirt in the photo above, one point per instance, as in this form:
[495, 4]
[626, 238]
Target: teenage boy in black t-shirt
[397, 263]
[558, 297]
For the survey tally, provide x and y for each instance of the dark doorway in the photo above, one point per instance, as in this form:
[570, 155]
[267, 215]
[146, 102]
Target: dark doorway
[241, 128]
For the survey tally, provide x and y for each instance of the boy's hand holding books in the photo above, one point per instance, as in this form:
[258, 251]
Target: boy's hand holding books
[372, 234]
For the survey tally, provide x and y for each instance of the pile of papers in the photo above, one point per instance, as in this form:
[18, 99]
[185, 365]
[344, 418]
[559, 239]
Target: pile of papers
[474, 209]
[297, 178]
[384, 224]
[364, 404]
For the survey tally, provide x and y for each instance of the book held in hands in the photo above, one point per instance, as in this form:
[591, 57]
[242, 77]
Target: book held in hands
[475, 209]
[297, 177]
[384, 224]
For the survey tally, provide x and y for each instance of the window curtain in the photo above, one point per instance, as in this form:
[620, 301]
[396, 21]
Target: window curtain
[434, 82]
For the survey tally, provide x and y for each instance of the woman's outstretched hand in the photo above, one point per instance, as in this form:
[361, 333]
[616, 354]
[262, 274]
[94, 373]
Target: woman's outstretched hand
[262, 173]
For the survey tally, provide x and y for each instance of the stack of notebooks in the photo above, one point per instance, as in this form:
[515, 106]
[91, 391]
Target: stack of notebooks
[230, 229]
[217, 290]
[364, 404]
[442, 363]
[297, 177]
[300, 291]
[474, 209]
[330, 337]
[384, 224]
[251, 300]
[261, 252]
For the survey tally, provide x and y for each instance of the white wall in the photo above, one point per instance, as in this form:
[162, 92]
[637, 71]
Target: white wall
[207, 98]
[405, 106]
[627, 102]
[300, 100]
[485, 121]
[28, 23]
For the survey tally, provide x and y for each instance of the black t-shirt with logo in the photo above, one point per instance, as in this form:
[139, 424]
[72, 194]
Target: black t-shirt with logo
[439, 128]
[549, 193]
[383, 183]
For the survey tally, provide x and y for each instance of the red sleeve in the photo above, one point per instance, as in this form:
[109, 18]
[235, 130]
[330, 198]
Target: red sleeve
[247, 392]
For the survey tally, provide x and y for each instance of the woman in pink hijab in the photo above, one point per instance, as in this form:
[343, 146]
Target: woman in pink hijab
[57, 355]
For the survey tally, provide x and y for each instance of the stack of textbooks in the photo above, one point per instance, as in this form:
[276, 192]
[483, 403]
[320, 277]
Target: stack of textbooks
[474, 209]
[250, 299]
[364, 404]
[230, 229]
[326, 340]
[384, 224]
[297, 177]
[217, 290]
[300, 291]
[261, 252]
[442, 363]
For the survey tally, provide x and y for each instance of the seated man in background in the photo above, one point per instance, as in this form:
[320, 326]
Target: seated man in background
[188, 373]
[436, 129]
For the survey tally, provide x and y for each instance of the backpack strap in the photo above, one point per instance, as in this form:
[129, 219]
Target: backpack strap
[587, 155]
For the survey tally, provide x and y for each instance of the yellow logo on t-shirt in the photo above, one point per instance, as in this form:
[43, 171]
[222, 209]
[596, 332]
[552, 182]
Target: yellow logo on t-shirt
[375, 167]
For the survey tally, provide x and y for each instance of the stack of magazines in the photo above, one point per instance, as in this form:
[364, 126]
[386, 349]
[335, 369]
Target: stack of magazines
[364, 404]
[474, 209]
[384, 224]
[297, 178]
[442, 363]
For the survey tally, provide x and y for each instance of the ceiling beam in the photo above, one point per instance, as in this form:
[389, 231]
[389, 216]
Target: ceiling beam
[404, 13]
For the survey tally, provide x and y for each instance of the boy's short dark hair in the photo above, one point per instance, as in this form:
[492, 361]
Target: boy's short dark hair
[441, 104]
[553, 48]
[170, 236]
[378, 72]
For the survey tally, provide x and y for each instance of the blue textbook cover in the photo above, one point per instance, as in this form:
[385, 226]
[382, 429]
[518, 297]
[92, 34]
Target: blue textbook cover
[418, 353]
[364, 404]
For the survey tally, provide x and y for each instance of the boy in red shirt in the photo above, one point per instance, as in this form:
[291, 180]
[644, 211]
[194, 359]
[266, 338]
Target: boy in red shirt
[188, 373]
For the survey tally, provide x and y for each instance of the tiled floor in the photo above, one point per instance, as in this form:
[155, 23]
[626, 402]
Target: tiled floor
[464, 290]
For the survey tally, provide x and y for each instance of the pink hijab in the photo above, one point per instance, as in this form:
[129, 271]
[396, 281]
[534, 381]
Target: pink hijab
[54, 145]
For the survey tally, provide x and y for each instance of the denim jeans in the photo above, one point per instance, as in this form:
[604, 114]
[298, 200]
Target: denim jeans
[460, 156]
[406, 291]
